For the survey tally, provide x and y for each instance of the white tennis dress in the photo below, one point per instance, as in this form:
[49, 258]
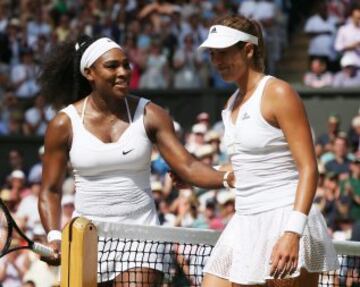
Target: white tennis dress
[112, 183]
[266, 182]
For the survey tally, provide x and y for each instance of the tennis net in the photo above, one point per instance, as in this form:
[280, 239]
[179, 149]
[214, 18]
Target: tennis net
[165, 256]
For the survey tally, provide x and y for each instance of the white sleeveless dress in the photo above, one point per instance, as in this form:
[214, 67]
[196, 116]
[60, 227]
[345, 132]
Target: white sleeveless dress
[112, 183]
[266, 181]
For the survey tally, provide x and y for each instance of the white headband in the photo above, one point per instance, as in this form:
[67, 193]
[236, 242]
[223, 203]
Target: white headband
[95, 51]
[223, 37]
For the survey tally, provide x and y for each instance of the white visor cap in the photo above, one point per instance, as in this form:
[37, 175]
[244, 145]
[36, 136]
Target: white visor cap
[221, 37]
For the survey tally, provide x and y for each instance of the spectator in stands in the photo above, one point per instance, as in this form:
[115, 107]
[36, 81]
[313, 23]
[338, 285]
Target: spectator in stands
[354, 136]
[166, 217]
[136, 58]
[155, 10]
[159, 167]
[326, 199]
[318, 76]
[41, 47]
[351, 187]
[37, 27]
[349, 76]
[213, 138]
[325, 140]
[17, 185]
[212, 218]
[340, 165]
[155, 73]
[226, 200]
[16, 40]
[24, 75]
[348, 37]
[35, 172]
[187, 63]
[196, 138]
[15, 162]
[38, 116]
[27, 212]
[63, 31]
[321, 28]
[11, 111]
[186, 209]
[203, 118]
[12, 268]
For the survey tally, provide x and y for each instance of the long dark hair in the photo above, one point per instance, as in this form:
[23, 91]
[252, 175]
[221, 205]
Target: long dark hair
[60, 80]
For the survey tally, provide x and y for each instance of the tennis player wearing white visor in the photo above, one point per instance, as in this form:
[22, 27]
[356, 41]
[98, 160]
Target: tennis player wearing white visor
[276, 237]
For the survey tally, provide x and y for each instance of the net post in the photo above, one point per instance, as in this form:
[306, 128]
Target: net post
[79, 254]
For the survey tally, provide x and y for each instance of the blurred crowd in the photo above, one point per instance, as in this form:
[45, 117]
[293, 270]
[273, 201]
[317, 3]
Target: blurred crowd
[334, 45]
[160, 37]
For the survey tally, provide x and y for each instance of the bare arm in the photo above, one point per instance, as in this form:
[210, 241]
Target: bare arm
[57, 140]
[161, 131]
[288, 113]
[283, 108]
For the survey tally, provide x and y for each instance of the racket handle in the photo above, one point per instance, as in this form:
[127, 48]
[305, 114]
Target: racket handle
[42, 249]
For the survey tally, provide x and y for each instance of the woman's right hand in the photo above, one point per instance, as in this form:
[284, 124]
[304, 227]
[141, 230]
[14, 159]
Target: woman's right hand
[55, 259]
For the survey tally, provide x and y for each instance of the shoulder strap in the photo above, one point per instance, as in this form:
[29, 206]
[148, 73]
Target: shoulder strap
[140, 108]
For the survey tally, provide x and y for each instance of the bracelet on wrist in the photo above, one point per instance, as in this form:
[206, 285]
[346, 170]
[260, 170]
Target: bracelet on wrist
[225, 179]
[54, 235]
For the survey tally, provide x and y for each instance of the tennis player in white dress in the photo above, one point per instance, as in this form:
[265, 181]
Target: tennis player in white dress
[107, 135]
[276, 235]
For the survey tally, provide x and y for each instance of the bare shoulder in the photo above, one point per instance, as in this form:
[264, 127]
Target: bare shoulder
[157, 120]
[156, 114]
[59, 129]
[61, 121]
[280, 95]
[278, 90]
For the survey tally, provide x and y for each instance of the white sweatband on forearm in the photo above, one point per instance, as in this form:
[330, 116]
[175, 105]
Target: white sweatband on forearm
[296, 222]
[54, 235]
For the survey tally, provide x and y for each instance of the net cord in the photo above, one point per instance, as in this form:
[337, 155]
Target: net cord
[188, 235]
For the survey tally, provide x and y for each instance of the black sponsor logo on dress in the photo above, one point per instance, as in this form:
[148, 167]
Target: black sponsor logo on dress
[127, 151]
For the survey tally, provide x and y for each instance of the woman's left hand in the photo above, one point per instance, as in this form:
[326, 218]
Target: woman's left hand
[285, 255]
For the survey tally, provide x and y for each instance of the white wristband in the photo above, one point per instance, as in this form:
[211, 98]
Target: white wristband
[296, 222]
[54, 235]
[225, 183]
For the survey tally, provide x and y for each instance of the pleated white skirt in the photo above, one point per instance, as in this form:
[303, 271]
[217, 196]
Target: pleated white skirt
[243, 251]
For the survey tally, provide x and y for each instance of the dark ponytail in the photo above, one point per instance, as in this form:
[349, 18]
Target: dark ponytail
[259, 50]
[60, 80]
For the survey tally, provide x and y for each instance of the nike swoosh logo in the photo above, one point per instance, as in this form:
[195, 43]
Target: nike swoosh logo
[126, 152]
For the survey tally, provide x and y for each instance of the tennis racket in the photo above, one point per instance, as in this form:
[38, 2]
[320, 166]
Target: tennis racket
[7, 236]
